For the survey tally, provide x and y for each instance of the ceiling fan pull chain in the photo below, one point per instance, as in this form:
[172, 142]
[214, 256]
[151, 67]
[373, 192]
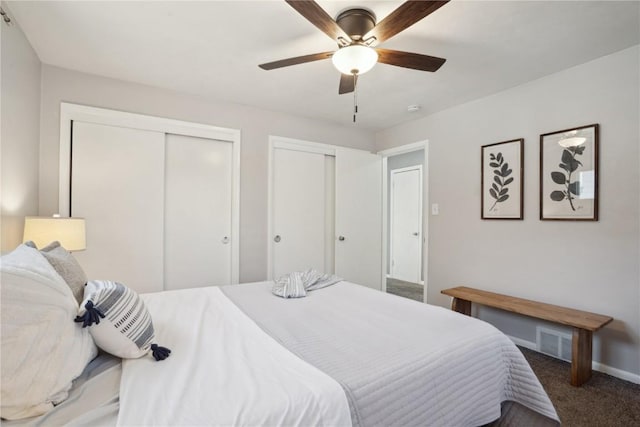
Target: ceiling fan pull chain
[355, 96]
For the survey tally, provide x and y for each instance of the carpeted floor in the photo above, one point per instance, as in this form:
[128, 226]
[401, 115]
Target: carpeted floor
[603, 401]
[405, 289]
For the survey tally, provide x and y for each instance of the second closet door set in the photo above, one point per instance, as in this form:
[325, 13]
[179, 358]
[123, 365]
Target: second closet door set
[325, 211]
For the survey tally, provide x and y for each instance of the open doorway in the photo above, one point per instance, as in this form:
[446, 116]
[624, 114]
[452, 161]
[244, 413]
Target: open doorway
[404, 221]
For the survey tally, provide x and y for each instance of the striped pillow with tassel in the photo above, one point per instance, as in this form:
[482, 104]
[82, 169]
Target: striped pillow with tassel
[118, 321]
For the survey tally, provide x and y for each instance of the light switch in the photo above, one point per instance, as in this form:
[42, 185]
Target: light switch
[435, 209]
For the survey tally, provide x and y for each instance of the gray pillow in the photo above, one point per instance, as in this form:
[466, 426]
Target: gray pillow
[66, 266]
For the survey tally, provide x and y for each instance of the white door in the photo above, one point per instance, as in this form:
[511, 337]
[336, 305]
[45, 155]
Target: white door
[298, 209]
[117, 185]
[406, 224]
[197, 206]
[359, 217]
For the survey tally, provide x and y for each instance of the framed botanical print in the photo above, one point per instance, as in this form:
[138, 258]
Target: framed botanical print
[502, 180]
[569, 174]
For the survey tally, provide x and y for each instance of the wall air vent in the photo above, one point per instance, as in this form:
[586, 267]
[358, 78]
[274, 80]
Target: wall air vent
[553, 343]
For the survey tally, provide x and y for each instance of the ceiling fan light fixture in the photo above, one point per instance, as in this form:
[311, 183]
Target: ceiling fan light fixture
[355, 59]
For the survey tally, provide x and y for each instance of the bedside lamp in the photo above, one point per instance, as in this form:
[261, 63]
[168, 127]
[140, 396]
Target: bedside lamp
[70, 232]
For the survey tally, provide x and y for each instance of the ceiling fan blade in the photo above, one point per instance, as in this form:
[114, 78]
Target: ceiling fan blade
[318, 17]
[347, 84]
[414, 61]
[296, 60]
[402, 18]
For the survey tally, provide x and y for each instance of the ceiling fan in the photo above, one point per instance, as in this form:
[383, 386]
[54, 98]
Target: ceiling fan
[357, 34]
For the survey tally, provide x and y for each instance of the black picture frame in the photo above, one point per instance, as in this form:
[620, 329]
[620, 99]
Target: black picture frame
[569, 174]
[502, 180]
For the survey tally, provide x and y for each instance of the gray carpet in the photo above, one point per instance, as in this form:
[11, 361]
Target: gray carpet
[405, 289]
[603, 401]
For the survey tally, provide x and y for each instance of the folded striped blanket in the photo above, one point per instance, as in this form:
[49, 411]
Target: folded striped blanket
[296, 284]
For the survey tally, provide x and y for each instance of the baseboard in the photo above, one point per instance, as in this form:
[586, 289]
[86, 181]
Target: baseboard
[596, 366]
[615, 372]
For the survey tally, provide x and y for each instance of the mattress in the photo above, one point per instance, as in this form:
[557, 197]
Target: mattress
[396, 361]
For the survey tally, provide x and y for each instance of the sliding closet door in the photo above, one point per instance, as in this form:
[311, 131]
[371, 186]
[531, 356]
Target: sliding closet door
[299, 192]
[359, 217]
[117, 184]
[198, 240]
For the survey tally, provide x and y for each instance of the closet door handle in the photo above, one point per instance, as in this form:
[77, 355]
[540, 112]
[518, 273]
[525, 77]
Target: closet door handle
[277, 238]
[416, 233]
[225, 240]
[341, 238]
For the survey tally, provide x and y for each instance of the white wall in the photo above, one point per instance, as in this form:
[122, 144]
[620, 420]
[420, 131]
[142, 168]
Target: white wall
[591, 266]
[19, 137]
[255, 124]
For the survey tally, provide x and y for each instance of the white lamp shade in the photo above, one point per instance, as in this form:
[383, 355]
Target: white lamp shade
[355, 58]
[70, 232]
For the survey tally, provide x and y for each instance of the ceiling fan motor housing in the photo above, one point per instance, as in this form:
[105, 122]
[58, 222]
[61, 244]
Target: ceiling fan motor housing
[356, 22]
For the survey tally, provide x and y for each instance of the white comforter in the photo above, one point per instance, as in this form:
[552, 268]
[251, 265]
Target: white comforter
[223, 370]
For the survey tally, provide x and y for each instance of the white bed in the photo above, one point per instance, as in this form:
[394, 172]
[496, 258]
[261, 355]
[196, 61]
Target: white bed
[343, 355]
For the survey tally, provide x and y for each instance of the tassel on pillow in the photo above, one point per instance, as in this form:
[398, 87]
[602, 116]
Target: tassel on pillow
[159, 353]
[91, 316]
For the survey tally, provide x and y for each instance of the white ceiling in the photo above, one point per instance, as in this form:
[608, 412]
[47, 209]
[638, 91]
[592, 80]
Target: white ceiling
[213, 49]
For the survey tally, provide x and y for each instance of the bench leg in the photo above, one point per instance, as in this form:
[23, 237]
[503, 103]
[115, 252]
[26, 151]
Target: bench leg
[581, 346]
[461, 306]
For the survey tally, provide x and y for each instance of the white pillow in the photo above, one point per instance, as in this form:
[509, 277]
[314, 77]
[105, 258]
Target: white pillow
[118, 320]
[43, 350]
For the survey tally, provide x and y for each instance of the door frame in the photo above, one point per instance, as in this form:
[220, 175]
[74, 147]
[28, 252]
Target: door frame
[287, 144]
[421, 213]
[70, 112]
[407, 148]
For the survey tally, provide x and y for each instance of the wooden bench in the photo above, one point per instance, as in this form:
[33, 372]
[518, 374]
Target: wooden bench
[584, 324]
